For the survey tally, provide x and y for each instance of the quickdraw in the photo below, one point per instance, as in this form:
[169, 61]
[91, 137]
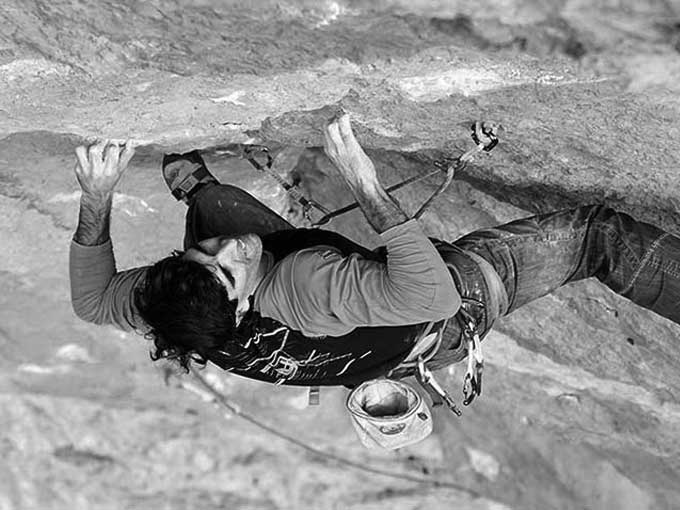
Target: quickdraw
[438, 394]
[472, 384]
[252, 152]
[484, 135]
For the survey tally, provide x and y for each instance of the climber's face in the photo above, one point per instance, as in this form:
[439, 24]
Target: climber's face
[235, 261]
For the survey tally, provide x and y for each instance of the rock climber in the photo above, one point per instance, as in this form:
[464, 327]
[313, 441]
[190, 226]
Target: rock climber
[262, 299]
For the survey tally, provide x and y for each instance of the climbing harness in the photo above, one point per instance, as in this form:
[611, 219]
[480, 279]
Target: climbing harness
[416, 362]
[472, 382]
[410, 421]
[484, 135]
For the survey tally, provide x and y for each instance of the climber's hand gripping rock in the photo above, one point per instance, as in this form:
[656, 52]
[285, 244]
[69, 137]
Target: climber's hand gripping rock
[101, 165]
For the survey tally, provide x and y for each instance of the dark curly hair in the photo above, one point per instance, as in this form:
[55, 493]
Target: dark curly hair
[187, 310]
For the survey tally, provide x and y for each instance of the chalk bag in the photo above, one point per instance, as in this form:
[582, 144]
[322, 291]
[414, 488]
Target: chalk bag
[388, 414]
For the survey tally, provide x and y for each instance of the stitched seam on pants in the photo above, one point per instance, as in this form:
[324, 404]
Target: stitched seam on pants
[570, 236]
[614, 236]
[578, 233]
[670, 267]
[542, 236]
[643, 262]
[539, 237]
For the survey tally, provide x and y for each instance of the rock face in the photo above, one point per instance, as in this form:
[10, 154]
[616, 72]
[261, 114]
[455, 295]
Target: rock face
[582, 398]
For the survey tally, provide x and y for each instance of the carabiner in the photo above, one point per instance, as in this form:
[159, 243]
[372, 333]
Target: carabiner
[251, 152]
[472, 384]
[485, 134]
[426, 379]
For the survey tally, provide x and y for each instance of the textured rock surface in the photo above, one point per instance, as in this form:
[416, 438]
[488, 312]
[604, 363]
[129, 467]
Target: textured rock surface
[582, 400]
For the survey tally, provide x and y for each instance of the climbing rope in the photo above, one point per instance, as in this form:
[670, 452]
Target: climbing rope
[485, 136]
[209, 393]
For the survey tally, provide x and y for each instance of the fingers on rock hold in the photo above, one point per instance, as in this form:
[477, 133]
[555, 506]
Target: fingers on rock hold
[112, 152]
[81, 154]
[127, 152]
[346, 128]
[333, 131]
[96, 150]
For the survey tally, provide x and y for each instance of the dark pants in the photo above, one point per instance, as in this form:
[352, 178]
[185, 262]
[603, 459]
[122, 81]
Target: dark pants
[532, 256]
[535, 256]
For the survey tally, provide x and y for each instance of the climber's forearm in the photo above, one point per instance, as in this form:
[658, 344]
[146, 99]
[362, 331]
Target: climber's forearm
[381, 211]
[94, 219]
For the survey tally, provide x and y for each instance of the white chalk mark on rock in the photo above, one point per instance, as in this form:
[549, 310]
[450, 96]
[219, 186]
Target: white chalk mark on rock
[300, 401]
[484, 464]
[470, 82]
[203, 462]
[31, 68]
[64, 197]
[232, 98]
[378, 126]
[334, 10]
[74, 353]
[142, 87]
[132, 206]
[494, 505]
[462, 81]
[33, 368]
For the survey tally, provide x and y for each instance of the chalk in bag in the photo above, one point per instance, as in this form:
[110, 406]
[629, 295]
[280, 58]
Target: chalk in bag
[388, 414]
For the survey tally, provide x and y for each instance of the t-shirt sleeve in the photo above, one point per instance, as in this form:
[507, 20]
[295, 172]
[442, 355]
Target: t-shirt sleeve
[99, 293]
[413, 286]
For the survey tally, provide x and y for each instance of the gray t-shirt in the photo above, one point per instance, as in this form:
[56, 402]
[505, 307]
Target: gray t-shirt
[317, 290]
